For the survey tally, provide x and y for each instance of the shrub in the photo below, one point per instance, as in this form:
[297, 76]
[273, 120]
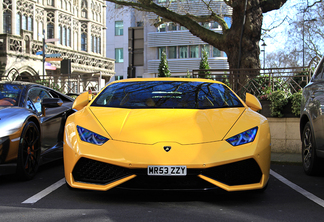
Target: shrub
[296, 102]
[278, 100]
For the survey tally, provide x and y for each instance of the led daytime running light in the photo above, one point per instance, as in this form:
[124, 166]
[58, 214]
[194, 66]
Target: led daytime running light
[91, 137]
[243, 138]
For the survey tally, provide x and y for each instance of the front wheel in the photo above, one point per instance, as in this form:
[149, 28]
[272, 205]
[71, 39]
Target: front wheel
[311, 163]
[28, 152]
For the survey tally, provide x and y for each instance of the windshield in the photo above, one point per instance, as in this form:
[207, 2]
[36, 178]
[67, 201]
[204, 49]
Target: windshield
[9, 94]
[167, 94]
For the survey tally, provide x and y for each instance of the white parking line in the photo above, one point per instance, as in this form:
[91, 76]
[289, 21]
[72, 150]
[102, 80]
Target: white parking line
[44, 192]
[297, 188]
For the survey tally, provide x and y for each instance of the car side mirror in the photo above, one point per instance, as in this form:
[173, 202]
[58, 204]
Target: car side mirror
[50, 103]
[81, 101]
[252, 102]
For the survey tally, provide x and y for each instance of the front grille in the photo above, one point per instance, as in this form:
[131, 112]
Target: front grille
[92, 171]
[238, 173]
[189, 182]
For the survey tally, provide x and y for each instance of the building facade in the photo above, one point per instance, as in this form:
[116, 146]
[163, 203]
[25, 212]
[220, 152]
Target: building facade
[73, 30]
[183, 49]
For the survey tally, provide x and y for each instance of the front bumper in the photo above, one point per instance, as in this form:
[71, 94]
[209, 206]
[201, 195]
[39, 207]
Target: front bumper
[209, 165]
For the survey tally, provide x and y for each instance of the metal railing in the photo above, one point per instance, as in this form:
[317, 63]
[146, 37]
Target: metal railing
[256, 81]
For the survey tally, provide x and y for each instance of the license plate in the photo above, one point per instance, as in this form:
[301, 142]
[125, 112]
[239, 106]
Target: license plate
[166, 170]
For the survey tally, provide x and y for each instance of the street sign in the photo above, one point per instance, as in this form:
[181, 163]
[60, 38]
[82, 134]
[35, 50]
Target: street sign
[53, 59]
[39, 53]
[52, 40]
[53, 55]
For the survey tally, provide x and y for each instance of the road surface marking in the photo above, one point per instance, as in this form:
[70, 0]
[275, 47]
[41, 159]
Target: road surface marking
[297, 188]
[44, 192]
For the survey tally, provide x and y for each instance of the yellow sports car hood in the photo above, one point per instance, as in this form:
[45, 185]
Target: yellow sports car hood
[149, 126]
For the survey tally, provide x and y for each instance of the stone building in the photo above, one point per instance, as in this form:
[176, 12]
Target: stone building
[73, 30]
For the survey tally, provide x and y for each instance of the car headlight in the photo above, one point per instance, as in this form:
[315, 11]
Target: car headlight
[91, 137]
[243, 138]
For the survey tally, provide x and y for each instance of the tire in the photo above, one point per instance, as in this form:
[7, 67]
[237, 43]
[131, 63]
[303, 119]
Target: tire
[28, 152]
[311, 163]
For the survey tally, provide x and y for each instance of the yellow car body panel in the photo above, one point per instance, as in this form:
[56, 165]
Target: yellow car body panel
[137, 138]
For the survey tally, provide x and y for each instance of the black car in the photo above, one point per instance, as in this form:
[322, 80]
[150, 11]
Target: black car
[32, 119]
[312, 122]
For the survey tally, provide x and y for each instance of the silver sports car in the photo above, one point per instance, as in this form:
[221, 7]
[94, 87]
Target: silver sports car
[32, 118]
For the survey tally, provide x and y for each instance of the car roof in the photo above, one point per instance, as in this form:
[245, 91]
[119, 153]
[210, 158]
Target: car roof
[168, 79]
[19, 83]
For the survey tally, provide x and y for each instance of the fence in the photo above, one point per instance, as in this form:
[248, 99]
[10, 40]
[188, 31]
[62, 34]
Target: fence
[255, 81]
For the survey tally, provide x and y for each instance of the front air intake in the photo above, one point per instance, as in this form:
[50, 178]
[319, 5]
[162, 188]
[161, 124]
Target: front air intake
[92, 171]
[238, 173]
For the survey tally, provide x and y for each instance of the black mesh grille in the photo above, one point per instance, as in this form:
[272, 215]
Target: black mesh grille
[188, 182]
[238, 173]
[92, 171]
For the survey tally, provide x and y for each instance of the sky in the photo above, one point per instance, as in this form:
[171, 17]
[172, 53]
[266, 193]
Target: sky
[277, 37]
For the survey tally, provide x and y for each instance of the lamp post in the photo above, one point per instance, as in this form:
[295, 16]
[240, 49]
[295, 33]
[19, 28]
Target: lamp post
[263, 45]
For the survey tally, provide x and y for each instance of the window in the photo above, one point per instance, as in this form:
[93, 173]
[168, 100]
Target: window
[83, 42]
[172, 27]
[194, 51]
[119, 28]
[50, 31]
[84, 9]
[139, 24]
[95, 44]
[18, 24]
[7, 22]
[216, 52]
[160, 50]
[205, 25]
[30, 23]
[68, 37]
[172, 52]
[183, 52]
[119, 55]
[35, 96]
[24, 22]
[167, 95]
[119, 77]
[60, 37]
[40, 30]
[50, 2]
[319, 71]
[161, 28]
[214, 25]
[183, 28]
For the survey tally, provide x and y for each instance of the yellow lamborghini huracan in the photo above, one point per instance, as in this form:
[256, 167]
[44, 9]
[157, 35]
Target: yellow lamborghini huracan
[167, 133]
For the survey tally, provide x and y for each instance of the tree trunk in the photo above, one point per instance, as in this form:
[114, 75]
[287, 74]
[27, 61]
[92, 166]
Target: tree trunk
[242, 41]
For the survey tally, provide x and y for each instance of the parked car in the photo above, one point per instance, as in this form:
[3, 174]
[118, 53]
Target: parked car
[167, 133]
[32, 119]
[312, 122]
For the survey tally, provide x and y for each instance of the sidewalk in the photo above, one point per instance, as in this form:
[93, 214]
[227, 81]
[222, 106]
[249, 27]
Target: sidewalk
[286, 158]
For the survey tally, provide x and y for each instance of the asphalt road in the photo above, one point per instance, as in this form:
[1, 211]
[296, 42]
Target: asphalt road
[291, 196]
